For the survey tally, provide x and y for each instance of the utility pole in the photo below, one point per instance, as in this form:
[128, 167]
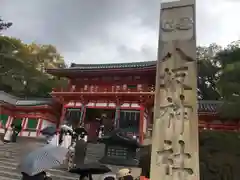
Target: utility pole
[175, 154]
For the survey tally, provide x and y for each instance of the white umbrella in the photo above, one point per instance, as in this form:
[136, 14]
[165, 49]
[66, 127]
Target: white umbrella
[43, 159]
[67, 128]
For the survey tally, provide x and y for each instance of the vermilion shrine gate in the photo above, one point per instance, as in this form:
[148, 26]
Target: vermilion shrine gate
[116, 84]
[125, 89]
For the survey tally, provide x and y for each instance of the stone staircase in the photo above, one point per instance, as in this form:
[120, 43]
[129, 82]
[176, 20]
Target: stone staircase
[11, 154]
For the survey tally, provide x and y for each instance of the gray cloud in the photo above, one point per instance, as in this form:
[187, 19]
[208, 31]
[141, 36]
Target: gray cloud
[94, 31]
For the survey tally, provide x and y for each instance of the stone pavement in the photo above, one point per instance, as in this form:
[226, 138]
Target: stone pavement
[11, 154]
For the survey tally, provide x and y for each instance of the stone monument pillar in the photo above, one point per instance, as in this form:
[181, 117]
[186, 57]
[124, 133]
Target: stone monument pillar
[175, 133]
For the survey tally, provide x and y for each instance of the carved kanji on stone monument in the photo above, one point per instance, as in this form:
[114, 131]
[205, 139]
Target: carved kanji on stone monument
[175, 132]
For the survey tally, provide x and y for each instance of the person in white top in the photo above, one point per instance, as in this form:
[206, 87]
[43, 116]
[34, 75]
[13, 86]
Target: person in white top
[48, 138]
[67, 140]
[8, 135]
[54, 140]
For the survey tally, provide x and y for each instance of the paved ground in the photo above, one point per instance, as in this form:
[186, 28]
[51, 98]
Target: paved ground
[11, 154]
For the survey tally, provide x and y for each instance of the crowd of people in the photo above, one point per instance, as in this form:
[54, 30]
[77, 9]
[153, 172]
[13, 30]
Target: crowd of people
[75, 140]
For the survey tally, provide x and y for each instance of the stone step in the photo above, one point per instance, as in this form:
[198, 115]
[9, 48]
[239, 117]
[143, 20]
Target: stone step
[6, 178]
[17, 154]
[12, 147]
[12, 165]
[9, 168]
[16, 174]
[14, 159]
[11, 153]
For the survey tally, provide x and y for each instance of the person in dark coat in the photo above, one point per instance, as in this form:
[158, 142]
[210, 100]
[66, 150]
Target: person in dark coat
[106, 125]
[16, 130]
[145, 160]
[14, 135]
[61, 136]
[39, 176]
[80, 151]
[85, 177]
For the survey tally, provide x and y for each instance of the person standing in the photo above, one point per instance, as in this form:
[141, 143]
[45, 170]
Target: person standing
[66, 139]
[14, 134]
[100, 131]
[80, 151]
[61, 136]
[107, 124]
[8, 135]
[85, 176]
[145, 160]
[48, 138]
[16, 130]
[54, 140]
[39, 176]
[70, 155]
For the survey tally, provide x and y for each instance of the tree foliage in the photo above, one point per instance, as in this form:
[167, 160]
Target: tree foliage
[22, 67]
[208, 68]
[4, 25]
[219, 77]
[229, 79]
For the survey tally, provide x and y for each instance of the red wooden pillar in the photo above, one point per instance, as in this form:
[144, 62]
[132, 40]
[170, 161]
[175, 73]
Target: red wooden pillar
[141, 133]
[117, 115]
[24, 125]
[62, 116]
[39, 126]
[83, 112]
[10, 120]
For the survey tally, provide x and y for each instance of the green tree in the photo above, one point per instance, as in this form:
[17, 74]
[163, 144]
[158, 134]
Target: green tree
[11, 66]
[229, 79]
[46, 56]
[22, 66]
[40, 57]
[208, 68]
[20, 69]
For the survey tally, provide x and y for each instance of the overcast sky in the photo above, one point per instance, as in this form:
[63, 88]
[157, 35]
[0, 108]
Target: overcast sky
[105, 31]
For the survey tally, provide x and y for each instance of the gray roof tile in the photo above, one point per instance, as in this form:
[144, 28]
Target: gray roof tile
[8, 98]
[112, 65]
[26, 102]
